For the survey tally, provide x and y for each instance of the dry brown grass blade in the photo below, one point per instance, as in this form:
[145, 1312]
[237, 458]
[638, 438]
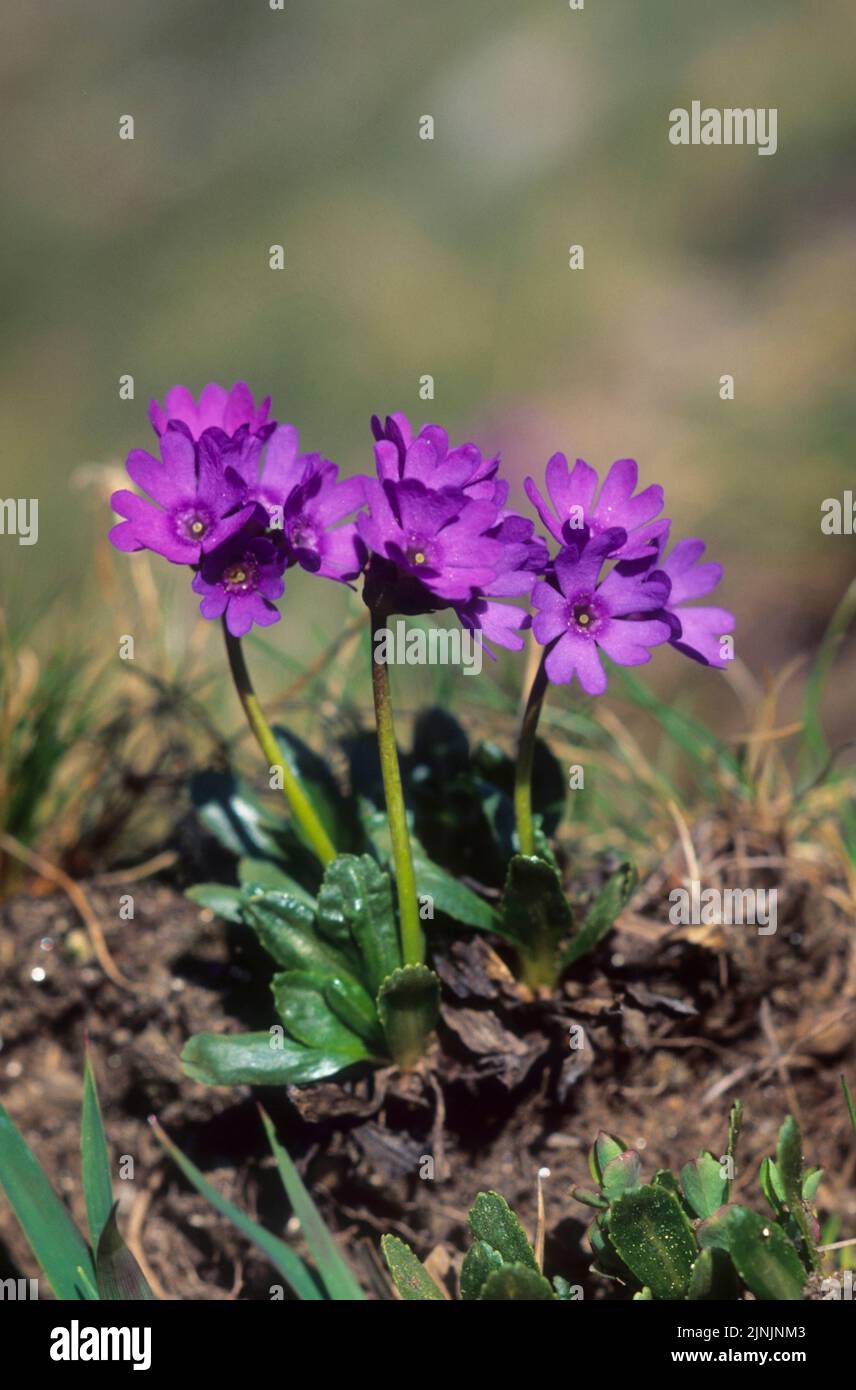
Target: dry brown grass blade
[79, 900]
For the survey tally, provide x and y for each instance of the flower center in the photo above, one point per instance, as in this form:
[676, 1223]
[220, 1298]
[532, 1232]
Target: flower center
[241, 576]
[192, 523]
[583, 616]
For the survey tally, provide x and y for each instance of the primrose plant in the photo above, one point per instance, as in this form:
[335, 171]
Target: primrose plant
[232, 498]
[673, 1238]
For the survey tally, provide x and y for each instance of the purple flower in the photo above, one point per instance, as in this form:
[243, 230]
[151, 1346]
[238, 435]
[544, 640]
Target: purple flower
[197, 503]
[439, 536]
[575, 516]
[697, 632]
[580, 617]
[303, 499]
[239, 581]
[428, 459]
[217, 408]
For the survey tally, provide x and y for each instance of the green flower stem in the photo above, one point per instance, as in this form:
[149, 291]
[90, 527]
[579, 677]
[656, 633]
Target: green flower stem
[298, 802]
[412, 940]
[525, 755]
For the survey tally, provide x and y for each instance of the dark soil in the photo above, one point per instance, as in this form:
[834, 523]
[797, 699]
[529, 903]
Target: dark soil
[675, 1023]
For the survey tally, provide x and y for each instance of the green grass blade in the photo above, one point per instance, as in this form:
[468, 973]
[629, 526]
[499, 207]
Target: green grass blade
[54, 1239]
[334, 1272]
[293, 1270]
[97, 1185]
[815, 747]
[691, 736]
[851, 1105]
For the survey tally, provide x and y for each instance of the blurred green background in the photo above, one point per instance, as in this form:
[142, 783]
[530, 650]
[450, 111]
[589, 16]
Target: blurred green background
[450, 257]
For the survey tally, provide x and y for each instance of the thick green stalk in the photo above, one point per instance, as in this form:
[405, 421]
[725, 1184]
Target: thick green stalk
[298, 802]
[412, 940]
[525, 755]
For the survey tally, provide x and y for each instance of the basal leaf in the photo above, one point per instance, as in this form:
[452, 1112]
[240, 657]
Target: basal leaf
[409, 1274]
[515, 1281]
[258, 1059]
[765, 1259]
[622, 1174]
[653, 1237]
[600, 918]
[480, 1260]
[302, 1005]
[493, 1221]
[704, 1186]
[408, 1004]
[287, 930]
[536, 916]
[221, 898]
[355, 906]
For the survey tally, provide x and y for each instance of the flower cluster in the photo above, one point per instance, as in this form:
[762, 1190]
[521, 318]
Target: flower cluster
[232, 496]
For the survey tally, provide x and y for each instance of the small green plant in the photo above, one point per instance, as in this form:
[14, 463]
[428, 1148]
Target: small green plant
[100, 1268]
[673, 1238]
[500, 1263]
[686, 1239]
[343, 993]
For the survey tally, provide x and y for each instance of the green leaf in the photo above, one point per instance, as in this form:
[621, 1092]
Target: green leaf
[449, 896]
[534, 912]
[810, 1183]
[408, 1004]
[713, 1278]
[789, 1161]
[493, 1221]
[333, 1270]
[221, 898]
[233, 814]
[815, 747]
[264, 873]
[257, 1059]
[653, 1237]
[355, 905]
[704, 1186]
[480, 1260]
[53, 1237]
[515, 1281]
[287, 930]
[765, 1259]
[694, 738]
[95, 1159]
[409, 1274]
[735, 1120]
[302, 1004]
[849, 1101]
[622, 1174]
[600, 918]
[771, 1185]
[291, 1267]
[118, 1276]
[605, 1148]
